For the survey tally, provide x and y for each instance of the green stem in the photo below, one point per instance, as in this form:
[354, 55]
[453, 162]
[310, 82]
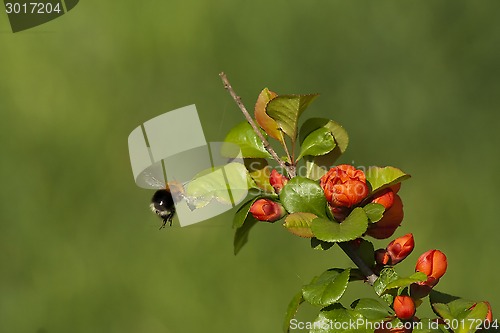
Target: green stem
[363, 267]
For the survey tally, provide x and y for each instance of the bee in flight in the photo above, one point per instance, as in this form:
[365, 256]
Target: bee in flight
[162, 202]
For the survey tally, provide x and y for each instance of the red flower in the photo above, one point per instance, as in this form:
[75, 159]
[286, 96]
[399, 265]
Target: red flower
[393, 217]
[400, 248]
[277, 181]
[344, 186]
[267, 210]
[404, 307]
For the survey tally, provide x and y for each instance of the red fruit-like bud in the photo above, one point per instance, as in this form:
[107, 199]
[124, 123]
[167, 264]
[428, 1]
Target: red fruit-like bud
[344, 186]
[391, 220]
[267, 210]
[277, 181]
[404, 307]
[432, 263]
[400, 248]
[382, 257]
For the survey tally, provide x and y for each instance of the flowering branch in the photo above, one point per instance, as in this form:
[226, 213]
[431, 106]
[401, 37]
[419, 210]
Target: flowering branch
[345, 205]
[289, 168]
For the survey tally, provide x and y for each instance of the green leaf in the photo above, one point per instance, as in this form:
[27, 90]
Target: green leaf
[327, 288]
[374, 211]
[267, 123]
[300, 224]
[215, 183]
[241, 234]
[319, 142]
[351, 228]
[336, 319]
[372, 309]
[380, 178]
[242, 213]
[439, 297]
[315, 170]
[303, 195]
[317, 166]
[317, 244]
[404, 282]
[459, 312]
[244, 136]
[286, 110]
[292, 310]
[367, 252]
[387, 275]
[339, 133]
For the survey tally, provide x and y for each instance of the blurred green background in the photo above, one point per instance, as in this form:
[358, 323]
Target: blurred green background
[415, 83]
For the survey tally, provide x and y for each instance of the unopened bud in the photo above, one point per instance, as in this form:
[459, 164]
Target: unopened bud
[400, 248]
[432, 263]
[267, 210]
[391, 220]
[385, 198]
[277, 181]
[404, 307]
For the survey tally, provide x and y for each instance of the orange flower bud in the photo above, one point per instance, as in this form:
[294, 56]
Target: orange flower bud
[267, 210]
[344, 186]
[385, 198]
[432, 263]
[400, 248]
[404, 307]
[277, 181]
[391, 220]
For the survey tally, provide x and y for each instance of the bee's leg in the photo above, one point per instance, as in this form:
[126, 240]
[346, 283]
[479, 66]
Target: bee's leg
[167, 219]
[163, 225]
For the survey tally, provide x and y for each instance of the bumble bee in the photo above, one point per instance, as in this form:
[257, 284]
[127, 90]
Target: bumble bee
[166, 196]
[162, 204]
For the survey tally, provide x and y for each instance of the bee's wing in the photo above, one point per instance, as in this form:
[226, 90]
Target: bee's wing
[153, 182]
